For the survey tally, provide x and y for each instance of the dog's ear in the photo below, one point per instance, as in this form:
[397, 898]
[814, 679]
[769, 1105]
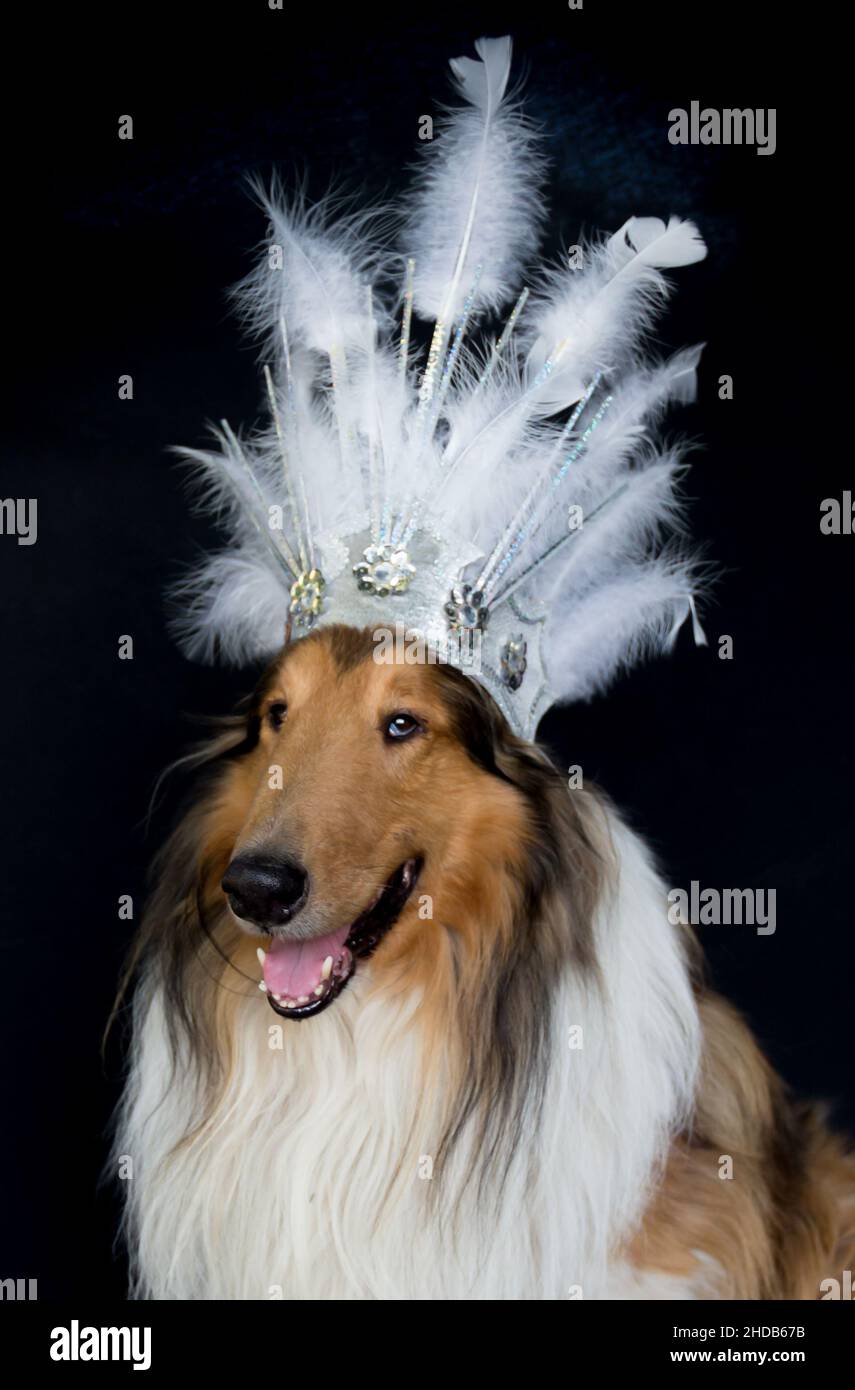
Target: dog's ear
[482, 729]
[177, 933]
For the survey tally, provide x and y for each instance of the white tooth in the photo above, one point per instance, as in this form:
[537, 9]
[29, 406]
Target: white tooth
[304, 999]
[278, 998]
[319, 990]
[326, 969]
[262, 985]
[262, 957]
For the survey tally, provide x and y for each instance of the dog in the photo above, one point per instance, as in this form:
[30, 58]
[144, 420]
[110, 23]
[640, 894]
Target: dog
[412, 1022]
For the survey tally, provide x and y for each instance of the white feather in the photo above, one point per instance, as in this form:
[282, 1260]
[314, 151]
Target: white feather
[233, 608]
[596, 316]
[313, 274]
[616, 625]
[643, 507]
[475, 203]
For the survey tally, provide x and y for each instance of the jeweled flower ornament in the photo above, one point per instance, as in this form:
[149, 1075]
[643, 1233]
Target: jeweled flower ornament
[465, 609]
[504, 483]
[307, 597]
[384, 569]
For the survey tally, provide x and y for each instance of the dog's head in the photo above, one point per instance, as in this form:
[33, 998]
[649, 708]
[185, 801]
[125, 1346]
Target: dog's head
[380, 816]
[381, 801]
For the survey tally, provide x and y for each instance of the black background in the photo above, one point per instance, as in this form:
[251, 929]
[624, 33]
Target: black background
[738, 772]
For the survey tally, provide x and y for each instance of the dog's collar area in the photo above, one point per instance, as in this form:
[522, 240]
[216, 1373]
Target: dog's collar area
[362, 940]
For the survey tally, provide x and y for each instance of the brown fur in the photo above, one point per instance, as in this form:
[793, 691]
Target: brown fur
[785, 1221]
[514, 868]
[499, 837]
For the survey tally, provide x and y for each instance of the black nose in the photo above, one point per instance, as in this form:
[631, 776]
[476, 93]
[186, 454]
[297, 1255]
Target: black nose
[265, 890]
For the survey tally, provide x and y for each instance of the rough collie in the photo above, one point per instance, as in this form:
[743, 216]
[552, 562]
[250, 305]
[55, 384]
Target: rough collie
[412, 1022]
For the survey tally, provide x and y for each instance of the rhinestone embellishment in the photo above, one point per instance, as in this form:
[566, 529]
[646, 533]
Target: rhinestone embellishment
[513, 662]
[384, 569]
[307, 597]
[465, 610]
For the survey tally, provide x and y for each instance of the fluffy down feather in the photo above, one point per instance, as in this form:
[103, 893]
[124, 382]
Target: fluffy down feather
[476, 203]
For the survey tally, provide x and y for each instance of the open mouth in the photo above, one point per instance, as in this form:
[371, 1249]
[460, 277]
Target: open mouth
[302, 978]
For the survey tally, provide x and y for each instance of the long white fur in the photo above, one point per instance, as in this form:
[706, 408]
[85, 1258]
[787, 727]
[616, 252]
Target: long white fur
[286, 1191]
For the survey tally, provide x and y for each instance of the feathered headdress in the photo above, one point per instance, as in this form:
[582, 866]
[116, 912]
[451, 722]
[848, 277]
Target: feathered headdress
[507, 505]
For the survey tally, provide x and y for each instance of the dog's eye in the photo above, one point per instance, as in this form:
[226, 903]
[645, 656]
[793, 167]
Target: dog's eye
[401, 726]
[276, 714]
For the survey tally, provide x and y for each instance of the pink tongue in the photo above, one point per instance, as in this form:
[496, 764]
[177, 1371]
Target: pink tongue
[293, 968]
